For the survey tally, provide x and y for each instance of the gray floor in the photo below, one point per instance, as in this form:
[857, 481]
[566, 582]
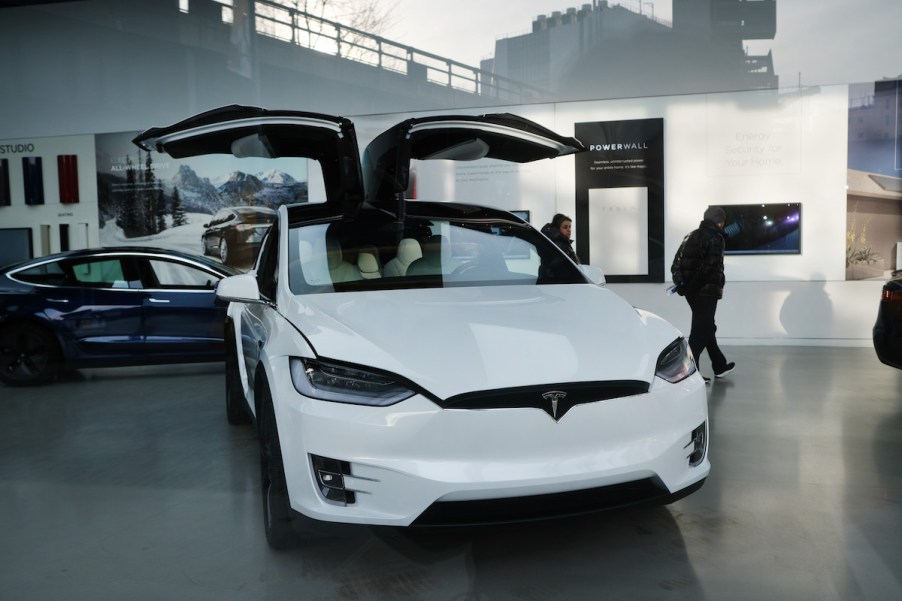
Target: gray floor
[129, 484]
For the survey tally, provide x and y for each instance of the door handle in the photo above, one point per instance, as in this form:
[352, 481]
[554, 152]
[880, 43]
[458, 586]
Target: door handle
[158, 300]
[57, 300]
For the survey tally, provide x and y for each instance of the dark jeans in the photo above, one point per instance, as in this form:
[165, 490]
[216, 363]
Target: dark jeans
[702, 333]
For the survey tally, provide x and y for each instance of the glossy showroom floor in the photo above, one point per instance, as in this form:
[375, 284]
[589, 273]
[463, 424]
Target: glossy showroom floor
[130, 484]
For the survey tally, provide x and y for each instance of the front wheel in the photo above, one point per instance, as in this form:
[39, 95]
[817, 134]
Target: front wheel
[29, 354]
[277, 514]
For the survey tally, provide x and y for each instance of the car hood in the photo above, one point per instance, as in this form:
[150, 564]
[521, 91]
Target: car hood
[457, 340]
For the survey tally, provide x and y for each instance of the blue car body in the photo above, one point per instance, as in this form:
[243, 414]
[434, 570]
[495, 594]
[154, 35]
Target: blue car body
[108, 307]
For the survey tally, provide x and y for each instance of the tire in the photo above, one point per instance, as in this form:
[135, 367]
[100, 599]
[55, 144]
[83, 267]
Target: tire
[236, 404]
[224, 251]
[278, 517]
[29, 354]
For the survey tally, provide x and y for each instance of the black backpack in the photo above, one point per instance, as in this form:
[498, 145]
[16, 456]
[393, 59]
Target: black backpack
[676, 268]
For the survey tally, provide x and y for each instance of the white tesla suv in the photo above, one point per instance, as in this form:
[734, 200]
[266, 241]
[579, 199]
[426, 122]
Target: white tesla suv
[425, 363]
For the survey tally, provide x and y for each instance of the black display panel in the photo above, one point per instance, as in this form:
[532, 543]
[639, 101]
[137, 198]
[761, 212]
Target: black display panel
[763, 229]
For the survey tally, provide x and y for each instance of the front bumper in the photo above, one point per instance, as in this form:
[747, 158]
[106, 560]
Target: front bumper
[417, 464]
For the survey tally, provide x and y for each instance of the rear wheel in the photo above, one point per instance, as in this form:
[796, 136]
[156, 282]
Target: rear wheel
[236, 404]
[29, 354]
[278, 518]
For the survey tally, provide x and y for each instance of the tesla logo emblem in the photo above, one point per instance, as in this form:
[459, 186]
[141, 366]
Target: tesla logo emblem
[554, 396]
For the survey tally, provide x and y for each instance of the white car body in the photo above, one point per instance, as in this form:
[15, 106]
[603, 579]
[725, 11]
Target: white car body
[485, 428]
[408, 456]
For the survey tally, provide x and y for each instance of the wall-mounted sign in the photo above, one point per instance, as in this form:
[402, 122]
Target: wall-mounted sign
[620, 199]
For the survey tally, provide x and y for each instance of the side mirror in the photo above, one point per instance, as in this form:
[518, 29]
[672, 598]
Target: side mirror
[239, 288]
[593, 274]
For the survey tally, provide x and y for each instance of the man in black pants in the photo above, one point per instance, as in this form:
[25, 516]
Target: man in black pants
[697, 272]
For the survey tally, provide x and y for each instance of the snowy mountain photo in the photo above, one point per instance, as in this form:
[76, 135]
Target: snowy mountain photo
[152, 199]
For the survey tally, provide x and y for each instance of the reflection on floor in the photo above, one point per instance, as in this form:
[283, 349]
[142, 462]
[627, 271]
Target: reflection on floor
[129, 484]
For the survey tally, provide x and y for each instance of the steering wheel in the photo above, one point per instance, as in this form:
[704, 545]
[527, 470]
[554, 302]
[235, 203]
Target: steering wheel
[464, 268]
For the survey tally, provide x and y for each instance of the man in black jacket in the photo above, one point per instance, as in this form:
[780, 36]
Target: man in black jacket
[697, 272]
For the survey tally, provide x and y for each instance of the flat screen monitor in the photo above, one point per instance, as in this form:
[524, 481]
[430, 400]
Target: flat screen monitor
[763, 229]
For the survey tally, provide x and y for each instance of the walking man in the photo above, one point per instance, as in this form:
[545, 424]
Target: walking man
[697, 272]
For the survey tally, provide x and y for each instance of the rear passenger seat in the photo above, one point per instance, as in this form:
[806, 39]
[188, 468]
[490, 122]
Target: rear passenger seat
[408, 251]
[340, 270]
[368, 263]
[435, 251]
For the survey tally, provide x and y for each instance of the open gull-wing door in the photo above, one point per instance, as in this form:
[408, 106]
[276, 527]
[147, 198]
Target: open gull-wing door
[502, 136]
[246, 131]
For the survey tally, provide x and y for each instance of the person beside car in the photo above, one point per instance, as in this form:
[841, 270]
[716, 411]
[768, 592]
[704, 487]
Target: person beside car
[698, 275]
[559, 231]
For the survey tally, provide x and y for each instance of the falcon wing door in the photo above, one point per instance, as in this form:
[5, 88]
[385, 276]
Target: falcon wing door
[245, 131]
[386, 161]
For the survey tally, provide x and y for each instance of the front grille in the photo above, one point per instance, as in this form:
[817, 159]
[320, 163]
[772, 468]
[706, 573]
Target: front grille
[554, 399]
[540, 507]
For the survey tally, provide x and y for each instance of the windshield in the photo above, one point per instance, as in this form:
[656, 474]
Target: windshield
[423, 253]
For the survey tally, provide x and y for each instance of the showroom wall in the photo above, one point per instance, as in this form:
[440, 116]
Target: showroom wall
[730, 148]
[719, 148]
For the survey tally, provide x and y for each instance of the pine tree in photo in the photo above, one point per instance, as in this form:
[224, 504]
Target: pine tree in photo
[178, 211]
[128, 218]
[148, 198]
[161, 211]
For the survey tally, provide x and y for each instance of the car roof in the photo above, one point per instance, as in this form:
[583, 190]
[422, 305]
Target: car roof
[121, 250]
[420, 209]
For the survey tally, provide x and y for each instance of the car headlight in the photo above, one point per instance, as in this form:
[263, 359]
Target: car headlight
[327, 381]
[675, 362]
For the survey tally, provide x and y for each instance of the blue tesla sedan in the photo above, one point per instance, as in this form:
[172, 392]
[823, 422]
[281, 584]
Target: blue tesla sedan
[108, 307]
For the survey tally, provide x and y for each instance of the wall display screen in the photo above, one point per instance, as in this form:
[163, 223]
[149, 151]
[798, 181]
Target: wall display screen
[156, 200]
[15, 245]
[763, 229]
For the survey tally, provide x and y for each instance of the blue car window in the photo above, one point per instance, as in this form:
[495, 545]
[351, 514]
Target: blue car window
[104, 273]
[48, 274]
[170, 274]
